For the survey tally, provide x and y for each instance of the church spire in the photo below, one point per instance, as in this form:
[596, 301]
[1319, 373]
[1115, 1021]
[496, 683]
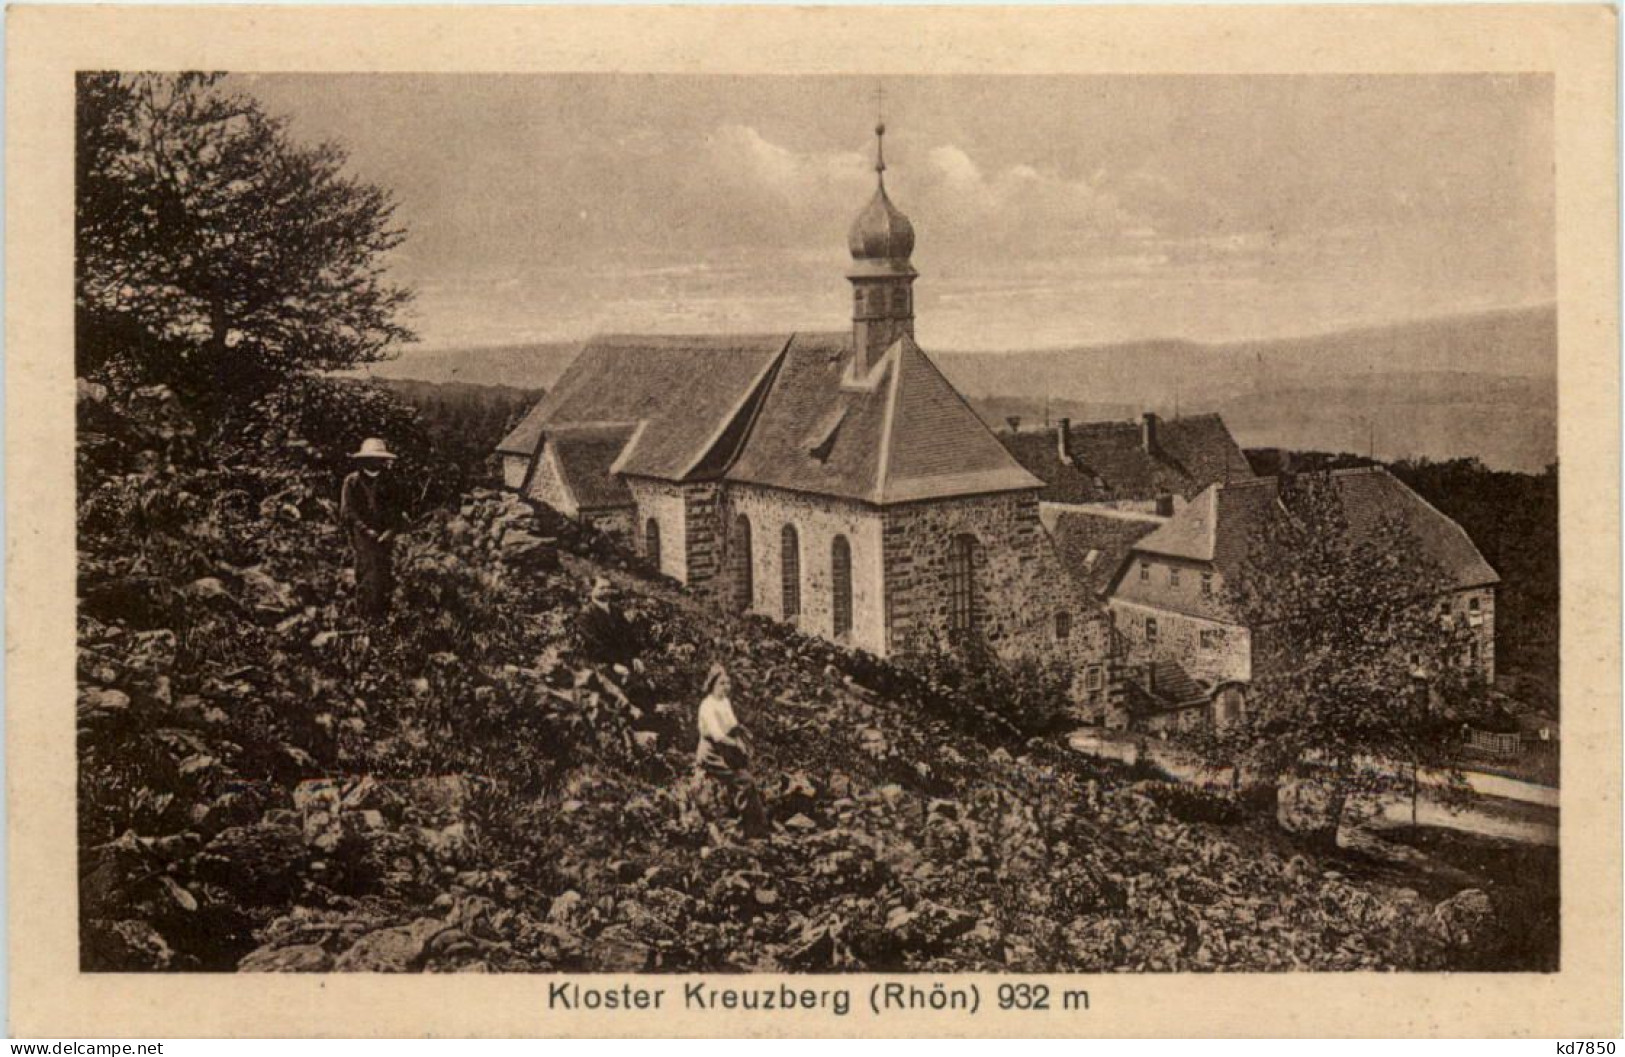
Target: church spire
[881, 241]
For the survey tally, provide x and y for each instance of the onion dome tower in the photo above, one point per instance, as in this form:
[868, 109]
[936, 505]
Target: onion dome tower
[881, 241]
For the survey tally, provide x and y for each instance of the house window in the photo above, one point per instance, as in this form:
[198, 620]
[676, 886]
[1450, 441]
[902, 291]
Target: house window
[840, 576]
[1093, 679]
[790, 571]
[1212, 638]
[1063, 626]
[1444, 615]
[1173, 576]
[740, 560]
[1472, 654]
[1207, 585]
[1145, 572]
[1150, 629]
[1475, 614]
[651, 542]
[962, 584]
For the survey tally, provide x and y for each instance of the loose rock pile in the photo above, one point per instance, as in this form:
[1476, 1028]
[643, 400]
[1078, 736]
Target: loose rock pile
[268, 785]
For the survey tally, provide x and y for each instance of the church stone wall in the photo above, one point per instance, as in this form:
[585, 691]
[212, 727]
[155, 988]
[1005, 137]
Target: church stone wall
[1020, 586]
[817, 520]
[664, 503]
[547, 486]
[513, 470]
[702, 536]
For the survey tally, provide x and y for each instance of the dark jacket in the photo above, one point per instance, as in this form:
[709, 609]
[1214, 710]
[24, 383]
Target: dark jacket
[365, 507]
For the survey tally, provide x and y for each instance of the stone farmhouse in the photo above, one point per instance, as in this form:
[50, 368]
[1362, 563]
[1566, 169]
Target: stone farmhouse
[834, 481]
[1187, 656]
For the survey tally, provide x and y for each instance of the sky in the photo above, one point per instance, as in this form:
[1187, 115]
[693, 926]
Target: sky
[1049, 211]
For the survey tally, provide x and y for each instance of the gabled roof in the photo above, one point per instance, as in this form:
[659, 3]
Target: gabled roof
[1218, 527]
[586, 456]
[901, 434]
[1108, 460]
[1092, 545]
[685, 389]
[777, 410]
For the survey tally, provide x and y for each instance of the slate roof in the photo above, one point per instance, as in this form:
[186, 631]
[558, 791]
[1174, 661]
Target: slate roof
[1217, 527]
[904, 433]
[1162, 686]
[782, 411]
[685, 389]
[1107, 536]
[586, 455]
[1109, 461]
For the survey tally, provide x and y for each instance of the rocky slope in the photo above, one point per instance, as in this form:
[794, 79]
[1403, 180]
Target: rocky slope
[266, 785]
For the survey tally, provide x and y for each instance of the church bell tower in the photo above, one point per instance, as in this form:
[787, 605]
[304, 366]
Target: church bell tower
[881, 241]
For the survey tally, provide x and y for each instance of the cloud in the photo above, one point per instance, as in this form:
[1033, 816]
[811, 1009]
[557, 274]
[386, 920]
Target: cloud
[763, 191]
[1029, 200]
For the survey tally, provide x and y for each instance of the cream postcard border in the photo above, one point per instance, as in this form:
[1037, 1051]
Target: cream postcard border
[51, 998]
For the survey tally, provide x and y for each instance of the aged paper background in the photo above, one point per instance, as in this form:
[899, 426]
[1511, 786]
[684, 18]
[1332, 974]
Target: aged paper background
[51, 998]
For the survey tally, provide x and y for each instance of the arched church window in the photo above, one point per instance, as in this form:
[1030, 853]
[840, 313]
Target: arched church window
[740, 560]
[651, 542]
[840, 575]
[962, 584]
[790, 571]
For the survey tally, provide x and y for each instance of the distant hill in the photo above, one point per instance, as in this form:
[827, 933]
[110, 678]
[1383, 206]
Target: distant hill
[530, 366]
[1483, 385]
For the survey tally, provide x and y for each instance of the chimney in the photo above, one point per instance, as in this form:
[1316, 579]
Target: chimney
[1165, 505]
[1014, 422]
[1063, 440]
[1148, 432]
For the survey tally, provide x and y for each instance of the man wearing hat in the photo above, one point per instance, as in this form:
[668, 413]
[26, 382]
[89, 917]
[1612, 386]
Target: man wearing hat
[371, 520]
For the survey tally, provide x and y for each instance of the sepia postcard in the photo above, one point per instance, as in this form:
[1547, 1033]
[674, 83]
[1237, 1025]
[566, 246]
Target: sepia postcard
[813, 521]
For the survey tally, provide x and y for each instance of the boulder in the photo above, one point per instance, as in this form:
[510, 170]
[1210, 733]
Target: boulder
[393, 950]
[1465, 920]
[1307, 807]
[124, 946]
[618, 950]
[297, 958]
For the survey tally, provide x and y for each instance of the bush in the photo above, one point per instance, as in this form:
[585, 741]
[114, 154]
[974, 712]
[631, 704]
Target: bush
[1191, 804]
[969, 683]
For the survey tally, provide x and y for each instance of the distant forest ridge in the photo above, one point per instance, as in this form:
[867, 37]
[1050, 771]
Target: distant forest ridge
[1481, 385]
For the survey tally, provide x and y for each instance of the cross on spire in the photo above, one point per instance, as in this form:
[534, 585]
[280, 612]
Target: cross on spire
[880, 131]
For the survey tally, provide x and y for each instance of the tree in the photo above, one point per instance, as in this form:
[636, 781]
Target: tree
[1357, 680]
[215, 254]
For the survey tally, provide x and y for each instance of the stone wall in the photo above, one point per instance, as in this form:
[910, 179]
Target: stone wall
[664, 503]
[1019, 585]
[1226, 655]
[817, 520]
[1207, 649]
[1481, 621]
[513, 470]
[616, 523]
[547, 485]
[702, 536]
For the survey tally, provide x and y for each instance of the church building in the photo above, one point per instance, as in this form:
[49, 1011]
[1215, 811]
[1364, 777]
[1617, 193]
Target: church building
[836, 481]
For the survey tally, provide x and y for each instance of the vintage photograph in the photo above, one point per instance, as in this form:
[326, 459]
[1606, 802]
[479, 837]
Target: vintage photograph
[730, 524]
